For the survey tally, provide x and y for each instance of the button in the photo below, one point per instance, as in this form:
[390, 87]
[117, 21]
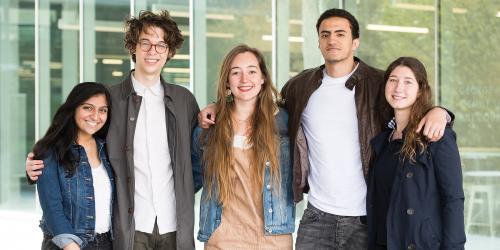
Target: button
[90, 197]
[268, 164]
[90, 217]
[88, 179]
[132, 119]
[130, 210]
[410, 211]
[409, 175]
[269, 230]
[268, 186]
[270, 210]
[128, 179]
[127, 148]
[411, 246]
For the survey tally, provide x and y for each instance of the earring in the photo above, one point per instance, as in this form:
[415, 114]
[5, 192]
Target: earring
[262, 81]
[229, 95]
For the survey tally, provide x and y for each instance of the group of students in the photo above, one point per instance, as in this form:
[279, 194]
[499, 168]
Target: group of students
[379, 162]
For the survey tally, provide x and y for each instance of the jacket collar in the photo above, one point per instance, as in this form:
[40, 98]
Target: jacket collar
[356, 76]
[127, 88]
[99, 142]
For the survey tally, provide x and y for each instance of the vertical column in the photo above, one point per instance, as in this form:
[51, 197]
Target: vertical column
[12, 104]
[87, 40]
[282, 48]
[69, 19]
[310, 52]
[198, 50]
[42, 57]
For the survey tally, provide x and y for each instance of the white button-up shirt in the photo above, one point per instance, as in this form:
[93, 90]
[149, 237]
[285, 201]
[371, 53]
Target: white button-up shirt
[154, 180]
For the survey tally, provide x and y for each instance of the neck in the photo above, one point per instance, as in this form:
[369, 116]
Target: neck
[340, 68]
[243, 110]
[402, 117]
[146, 79]
[84, 139]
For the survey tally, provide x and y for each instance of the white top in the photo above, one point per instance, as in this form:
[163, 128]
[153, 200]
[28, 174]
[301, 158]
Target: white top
[102, 199]
[154, 179]
[336, 180]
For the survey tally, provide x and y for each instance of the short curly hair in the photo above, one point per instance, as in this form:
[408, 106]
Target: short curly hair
[147, 19]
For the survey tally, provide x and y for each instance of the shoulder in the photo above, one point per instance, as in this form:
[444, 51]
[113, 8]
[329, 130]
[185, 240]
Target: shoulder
[379, 140]
[179, 93]
[305, 74]
[369, 70]
[449, 137]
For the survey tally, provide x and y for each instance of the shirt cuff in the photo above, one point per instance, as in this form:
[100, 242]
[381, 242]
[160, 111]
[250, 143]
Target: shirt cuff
[62, 240]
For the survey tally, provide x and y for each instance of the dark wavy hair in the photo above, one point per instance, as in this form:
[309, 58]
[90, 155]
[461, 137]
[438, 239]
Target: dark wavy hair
[147, 19]
[414, 142]
[63, 130]
[342, 14]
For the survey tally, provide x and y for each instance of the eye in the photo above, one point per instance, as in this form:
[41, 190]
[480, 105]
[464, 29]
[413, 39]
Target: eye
[87, 108]
[340, 34]
[162, 46]
[324, 35]
[103, 110]
[233, 73]
[253, 72]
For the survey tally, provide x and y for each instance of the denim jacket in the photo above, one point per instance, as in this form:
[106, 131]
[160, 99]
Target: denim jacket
[68, 202]
[279, 210]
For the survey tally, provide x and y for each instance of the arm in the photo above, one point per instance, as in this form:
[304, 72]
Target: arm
[51, 201]
[448, 172]
[206, 117]
[196, 155]
[33, 168]
[434, 123]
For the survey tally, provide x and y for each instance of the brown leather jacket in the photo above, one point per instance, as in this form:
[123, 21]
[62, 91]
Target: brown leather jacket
[373, 112]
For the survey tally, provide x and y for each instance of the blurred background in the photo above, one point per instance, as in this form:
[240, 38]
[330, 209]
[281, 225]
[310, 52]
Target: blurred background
[48, 46]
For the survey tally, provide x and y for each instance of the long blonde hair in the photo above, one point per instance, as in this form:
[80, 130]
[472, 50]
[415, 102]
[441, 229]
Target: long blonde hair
[218, 154]
[414, 142]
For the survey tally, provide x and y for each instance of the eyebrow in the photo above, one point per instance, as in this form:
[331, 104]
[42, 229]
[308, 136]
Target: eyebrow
[335, 31]
[86, 103]
[406, 77]
[251, 66]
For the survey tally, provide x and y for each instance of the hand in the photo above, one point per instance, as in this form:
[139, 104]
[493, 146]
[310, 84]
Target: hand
[434, 123]
[33, 167]
[72, 246]
[206, 117]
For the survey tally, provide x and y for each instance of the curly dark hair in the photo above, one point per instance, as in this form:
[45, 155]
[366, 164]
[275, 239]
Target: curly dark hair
[147, 19]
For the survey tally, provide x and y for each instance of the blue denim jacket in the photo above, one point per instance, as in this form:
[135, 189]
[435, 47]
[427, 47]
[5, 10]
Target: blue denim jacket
[279, 210]
[68, 203]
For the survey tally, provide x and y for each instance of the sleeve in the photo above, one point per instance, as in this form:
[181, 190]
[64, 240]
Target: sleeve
[51, 201]
[448, 169]
[196, 155]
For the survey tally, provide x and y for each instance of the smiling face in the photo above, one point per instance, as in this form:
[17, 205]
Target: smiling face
[335, 40]
[401, 89]
[149, 63]
[245, 77]
[91, 115]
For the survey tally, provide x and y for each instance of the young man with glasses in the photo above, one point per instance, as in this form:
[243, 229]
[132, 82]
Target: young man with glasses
[148, 143]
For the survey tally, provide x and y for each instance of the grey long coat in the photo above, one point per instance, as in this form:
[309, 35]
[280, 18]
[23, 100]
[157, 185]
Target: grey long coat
[181, 111]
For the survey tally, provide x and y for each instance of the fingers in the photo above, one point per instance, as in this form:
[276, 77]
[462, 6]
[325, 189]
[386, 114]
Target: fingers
[33, 167]
[420, 125]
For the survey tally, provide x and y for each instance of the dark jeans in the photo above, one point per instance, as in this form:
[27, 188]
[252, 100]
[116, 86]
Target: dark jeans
[154, 241]
[320, 230]
[101, 242]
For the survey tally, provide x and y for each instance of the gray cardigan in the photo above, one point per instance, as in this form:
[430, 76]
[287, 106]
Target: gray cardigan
[181, 111]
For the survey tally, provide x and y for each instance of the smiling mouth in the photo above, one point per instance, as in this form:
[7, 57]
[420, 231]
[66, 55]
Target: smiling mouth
[395, 97]
[93, 124]
[152, 60]
[245, 88]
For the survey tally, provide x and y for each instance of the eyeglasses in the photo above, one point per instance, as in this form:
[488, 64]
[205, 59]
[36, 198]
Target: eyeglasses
[146, 45]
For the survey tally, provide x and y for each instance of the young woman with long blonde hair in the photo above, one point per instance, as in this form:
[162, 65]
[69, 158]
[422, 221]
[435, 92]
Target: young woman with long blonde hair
[243, 162]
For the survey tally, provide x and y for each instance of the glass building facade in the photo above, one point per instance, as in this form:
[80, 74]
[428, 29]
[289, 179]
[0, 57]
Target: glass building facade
[48, 46]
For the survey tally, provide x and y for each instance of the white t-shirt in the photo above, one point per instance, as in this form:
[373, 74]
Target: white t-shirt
[102, 194]
[336, 180]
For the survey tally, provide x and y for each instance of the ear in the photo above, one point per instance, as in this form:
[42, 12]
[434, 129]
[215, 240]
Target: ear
[355, 44]
[262, 81]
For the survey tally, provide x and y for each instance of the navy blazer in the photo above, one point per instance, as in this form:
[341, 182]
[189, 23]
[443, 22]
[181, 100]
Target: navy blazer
[426, 209]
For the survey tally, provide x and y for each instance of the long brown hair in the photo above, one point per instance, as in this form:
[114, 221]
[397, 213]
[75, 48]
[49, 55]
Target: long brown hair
[218, 154]
[414, 142]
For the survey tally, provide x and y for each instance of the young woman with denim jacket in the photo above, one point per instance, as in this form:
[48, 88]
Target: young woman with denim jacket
[243, 162]
[76, 188]
[415, 197]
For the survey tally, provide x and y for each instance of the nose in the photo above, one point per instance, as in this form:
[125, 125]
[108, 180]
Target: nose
[95, 115]
[399, 86]
[244, 77]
